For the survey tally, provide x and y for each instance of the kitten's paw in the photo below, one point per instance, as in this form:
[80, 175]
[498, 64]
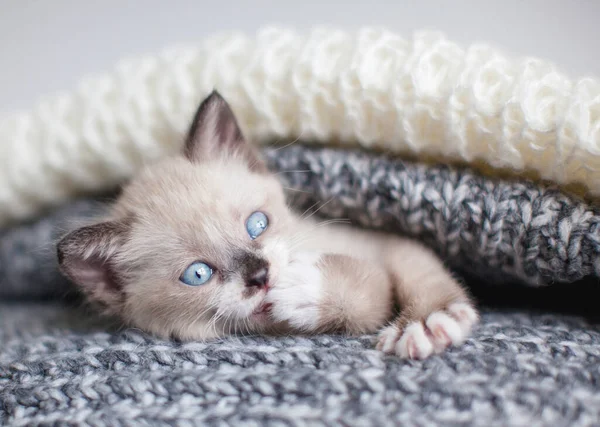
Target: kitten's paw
[441, 329]
[388, 338]
[297, 295]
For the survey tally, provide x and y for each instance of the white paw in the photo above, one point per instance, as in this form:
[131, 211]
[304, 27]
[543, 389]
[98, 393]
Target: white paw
[298, 293]
[440, 330]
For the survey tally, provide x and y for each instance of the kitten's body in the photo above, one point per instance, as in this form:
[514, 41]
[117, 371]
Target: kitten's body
[298, 275]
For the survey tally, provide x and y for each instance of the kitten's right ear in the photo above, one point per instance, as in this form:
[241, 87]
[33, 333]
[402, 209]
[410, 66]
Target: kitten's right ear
[215, 133]
[87, 257]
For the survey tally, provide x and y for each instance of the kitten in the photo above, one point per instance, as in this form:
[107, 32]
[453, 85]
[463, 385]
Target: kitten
[203, 245]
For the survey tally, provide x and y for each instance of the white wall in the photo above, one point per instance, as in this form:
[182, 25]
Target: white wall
[46, 45]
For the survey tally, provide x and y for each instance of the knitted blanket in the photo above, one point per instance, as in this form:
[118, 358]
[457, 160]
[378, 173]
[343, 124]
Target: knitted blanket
[60, 367]
[492, 231]
[424, 95]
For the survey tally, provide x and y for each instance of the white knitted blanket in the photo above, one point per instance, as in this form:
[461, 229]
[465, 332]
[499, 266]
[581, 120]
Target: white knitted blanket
[424, 95]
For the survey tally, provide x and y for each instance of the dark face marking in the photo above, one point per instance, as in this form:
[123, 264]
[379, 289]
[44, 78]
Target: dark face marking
[254, 271]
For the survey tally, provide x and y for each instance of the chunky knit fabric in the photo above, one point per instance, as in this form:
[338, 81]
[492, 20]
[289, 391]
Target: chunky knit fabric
[28, 268]
[496, 231]
[422, 95]
[61, 367]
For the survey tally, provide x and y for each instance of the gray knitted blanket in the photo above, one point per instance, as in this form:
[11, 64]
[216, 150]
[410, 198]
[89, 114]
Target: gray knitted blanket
[59, 367]
[62, 366]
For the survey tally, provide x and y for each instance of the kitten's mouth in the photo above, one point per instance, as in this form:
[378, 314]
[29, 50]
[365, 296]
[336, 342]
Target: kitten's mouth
[263, 309]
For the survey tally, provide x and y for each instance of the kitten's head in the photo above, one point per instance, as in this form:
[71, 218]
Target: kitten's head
[193, 243]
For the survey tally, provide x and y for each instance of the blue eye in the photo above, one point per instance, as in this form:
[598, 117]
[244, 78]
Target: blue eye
[196, 274]
[256, 224]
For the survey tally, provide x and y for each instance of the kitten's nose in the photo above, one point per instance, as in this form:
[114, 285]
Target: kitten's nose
[259, 278]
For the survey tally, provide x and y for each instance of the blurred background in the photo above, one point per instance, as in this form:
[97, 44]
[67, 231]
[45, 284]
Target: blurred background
[47, 45]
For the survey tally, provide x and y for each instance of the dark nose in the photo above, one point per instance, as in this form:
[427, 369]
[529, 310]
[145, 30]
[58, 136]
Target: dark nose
[259, 278]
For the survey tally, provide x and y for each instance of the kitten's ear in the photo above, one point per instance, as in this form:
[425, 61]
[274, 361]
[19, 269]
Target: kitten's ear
[87, 257]
[215, 133]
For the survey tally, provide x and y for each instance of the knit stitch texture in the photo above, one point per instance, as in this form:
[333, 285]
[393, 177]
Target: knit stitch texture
[61, 367]
[496, 231]
[424, 95]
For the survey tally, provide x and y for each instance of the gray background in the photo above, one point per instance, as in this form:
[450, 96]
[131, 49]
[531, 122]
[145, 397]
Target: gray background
[47, 45]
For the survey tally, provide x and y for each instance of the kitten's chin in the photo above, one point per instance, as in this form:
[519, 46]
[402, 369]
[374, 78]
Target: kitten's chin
[262, 314]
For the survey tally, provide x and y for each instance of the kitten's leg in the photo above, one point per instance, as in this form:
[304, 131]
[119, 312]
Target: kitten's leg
[332, 293]
[435, 311]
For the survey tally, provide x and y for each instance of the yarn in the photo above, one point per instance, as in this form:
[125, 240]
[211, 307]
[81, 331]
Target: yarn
[61, 367]
[423, 96]
[494, 231]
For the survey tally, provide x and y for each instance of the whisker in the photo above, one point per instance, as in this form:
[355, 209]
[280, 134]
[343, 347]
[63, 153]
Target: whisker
[201, 314]
[291, 143]
[231, 320]
[320, 207]
[225, 324]
[297, 190]
[213, 324]
[334, 221]
[307, 210]
[293, 171]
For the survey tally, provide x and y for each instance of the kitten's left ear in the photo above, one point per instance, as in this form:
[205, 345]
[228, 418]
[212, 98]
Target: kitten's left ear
[215, 133]
[87, 256]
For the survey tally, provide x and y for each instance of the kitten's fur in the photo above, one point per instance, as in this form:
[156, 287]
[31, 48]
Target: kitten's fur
[322, 277]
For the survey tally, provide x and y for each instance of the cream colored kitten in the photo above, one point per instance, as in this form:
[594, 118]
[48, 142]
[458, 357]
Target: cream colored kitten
[203, 245]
